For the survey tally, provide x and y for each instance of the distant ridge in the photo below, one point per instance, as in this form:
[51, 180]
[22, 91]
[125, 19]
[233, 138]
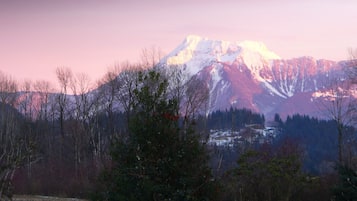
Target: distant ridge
[248, 75]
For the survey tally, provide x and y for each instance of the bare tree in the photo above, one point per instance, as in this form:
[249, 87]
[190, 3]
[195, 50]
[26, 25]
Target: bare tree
[8, 89]
[338, 103]
[191, 91]
[351, 71]
[127, 81]
[25, 100]
[108, 89]
[196, 98]
[64, 77]
[43, 89]
[8, 152]
[351, 67]
[103, 101]
[114, 94]
[177, 79]
[14, 148]
[80, 126]
[81, 86]
[96, 138]
[150, 57]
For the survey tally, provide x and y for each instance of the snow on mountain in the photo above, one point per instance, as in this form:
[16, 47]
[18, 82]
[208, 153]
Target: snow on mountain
[196, 52]
[247, 74]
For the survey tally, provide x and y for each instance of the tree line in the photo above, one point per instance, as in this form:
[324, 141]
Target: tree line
[57, 141]
[138, 135]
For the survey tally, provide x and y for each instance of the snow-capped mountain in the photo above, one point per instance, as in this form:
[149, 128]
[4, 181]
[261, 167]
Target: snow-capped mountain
[248, 75]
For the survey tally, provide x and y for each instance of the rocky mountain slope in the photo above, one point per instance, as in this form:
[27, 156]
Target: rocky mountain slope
[248, 75]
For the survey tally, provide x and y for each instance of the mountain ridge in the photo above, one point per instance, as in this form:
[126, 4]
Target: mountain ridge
[248, 75]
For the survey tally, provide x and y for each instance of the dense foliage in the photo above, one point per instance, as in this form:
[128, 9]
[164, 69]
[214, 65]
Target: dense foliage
[347, 187]
[268, 173]
[318, 139]
[233, 119]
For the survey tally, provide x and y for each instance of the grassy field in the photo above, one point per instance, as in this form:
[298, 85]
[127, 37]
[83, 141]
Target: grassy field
[42, 198]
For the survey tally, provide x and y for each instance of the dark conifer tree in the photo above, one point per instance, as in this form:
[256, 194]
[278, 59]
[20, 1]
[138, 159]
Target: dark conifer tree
[159, 160]
[346, 190]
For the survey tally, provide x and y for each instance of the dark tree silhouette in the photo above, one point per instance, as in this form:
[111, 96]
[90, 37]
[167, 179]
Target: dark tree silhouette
[159, 160]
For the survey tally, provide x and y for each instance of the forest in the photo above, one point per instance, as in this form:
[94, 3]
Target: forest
[141, 134]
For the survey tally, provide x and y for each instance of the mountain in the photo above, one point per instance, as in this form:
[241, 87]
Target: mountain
[248, 75]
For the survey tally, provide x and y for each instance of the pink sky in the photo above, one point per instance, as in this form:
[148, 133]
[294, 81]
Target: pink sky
[89, 36]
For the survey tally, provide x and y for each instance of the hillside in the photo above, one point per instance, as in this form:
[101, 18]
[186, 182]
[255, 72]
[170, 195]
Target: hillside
[248, 75]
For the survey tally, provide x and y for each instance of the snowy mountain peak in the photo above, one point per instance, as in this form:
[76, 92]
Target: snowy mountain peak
[192, 38]
[197, 52]
[247, 74]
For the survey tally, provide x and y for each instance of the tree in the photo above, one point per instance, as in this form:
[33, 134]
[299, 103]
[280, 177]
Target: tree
[268, 173]
[158, 160]
[43, 89]
[352, 65]
[196, 99]
[340, 107]
[64, 76]
[26, 100]
[80, 126]
[127, 81]
[346, 190]
[14, 147]
[150, 57]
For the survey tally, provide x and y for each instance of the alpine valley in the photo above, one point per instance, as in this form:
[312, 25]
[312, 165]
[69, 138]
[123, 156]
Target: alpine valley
[248, 75]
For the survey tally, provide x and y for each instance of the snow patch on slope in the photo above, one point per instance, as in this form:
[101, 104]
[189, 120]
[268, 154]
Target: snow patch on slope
[216, 77]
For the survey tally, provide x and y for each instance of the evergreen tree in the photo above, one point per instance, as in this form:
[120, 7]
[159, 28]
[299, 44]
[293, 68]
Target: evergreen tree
[268, 173]
[159, 160]
[346, 190]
